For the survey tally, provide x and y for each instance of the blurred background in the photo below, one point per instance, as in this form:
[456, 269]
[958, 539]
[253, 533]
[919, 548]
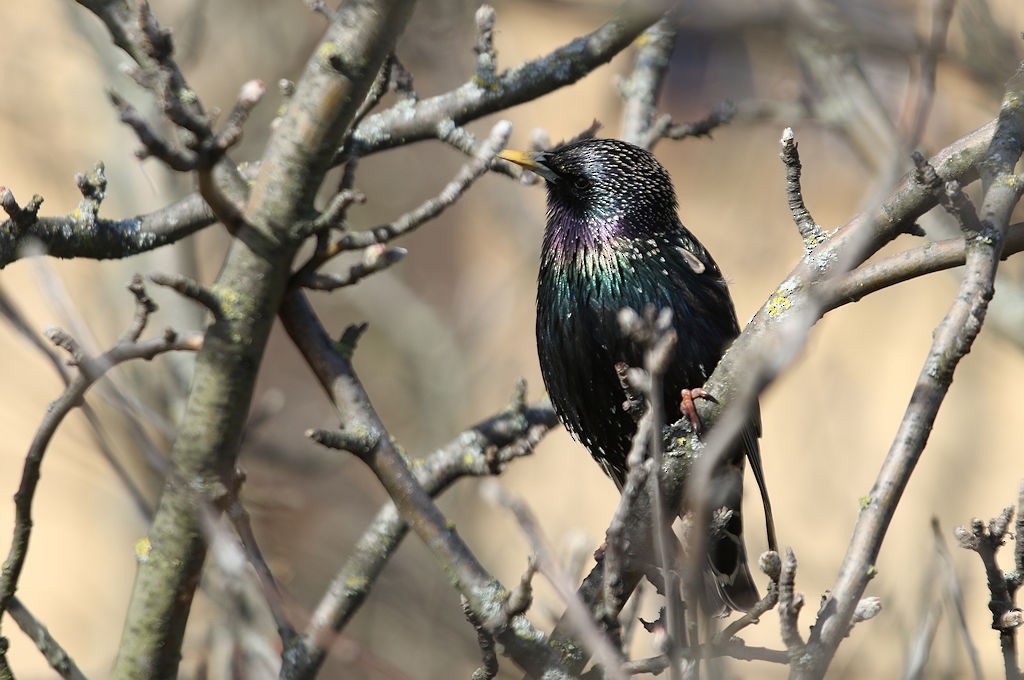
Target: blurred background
[451, 327]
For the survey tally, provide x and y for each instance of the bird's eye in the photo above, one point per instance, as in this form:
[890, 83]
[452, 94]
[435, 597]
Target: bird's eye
[580, 183]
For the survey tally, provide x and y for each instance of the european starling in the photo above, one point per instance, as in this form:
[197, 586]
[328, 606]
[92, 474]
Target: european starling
[613, 240]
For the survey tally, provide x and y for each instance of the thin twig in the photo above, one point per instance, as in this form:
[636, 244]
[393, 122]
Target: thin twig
[640, 90]
[1014, 583]
[722, 114]
[405, 123]
[733, 650]
[931, 257]
[591, 636]
[193, 290]
[91, 369]
[51, 650]
[771, 565]
[810, 232]
[376, 258]
[942, 13]
[486, 55]
[986, 540]
[431, 208]
[485, 449]
[526, 645]
[242, 523]
[790, 604]
[654, 333]
[16, 320]
[952, 340]
[956, 596]
[78, 236]
[485, 641]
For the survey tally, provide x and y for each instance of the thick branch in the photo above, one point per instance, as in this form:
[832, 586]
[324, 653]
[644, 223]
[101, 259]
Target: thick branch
[251, 284]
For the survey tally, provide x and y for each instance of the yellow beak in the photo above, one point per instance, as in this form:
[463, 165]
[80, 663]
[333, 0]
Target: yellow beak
[531, 160]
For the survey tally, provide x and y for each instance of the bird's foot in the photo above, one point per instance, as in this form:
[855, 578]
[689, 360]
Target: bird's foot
[687, 407]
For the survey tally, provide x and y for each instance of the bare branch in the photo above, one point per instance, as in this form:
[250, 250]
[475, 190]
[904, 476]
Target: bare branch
[485, 641]
[810, 232]
[103, 442]
[931, 257]
[91, 369]
[431, 208]
[953, 338]
[251, 283]
[655, 334]
[986, 541]
[376, 258]
[404, 123]
[144, 307]
[414, 504]
[486, 56]
[591, 636]
[249, 96]
[100, 239]
[1018, 545]
[193, 290]
[640, 90]
[722, 114]
[733, 650]
[484, 449]
[51, 650]
[790, 604]
[361, 444]
[94, 189]
[153, 143]
[22, 217]
[771, 566]
[242, 523]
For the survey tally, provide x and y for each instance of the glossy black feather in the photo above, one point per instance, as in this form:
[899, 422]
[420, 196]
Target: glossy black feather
[614, 240]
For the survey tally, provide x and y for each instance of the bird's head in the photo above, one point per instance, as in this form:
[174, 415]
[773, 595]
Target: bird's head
[603, 182]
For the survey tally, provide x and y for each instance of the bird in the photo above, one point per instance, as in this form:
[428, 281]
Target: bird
[613, 239]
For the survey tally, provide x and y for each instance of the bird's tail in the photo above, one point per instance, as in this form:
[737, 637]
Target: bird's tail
[728, 581]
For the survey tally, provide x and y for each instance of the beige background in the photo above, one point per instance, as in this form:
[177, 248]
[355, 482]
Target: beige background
[451, 328]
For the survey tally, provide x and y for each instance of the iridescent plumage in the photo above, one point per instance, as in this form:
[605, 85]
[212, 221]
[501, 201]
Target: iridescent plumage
[614, 240]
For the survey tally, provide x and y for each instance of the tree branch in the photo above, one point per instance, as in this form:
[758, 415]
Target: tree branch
[251, 283]
[640, 90]
[91, 369]
[522, 642]
[484, 449]
[931, 257]
[100, 239]
[51, 650]
[1006, 618]
[408, 121]
[431, 208]
[953, 338]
